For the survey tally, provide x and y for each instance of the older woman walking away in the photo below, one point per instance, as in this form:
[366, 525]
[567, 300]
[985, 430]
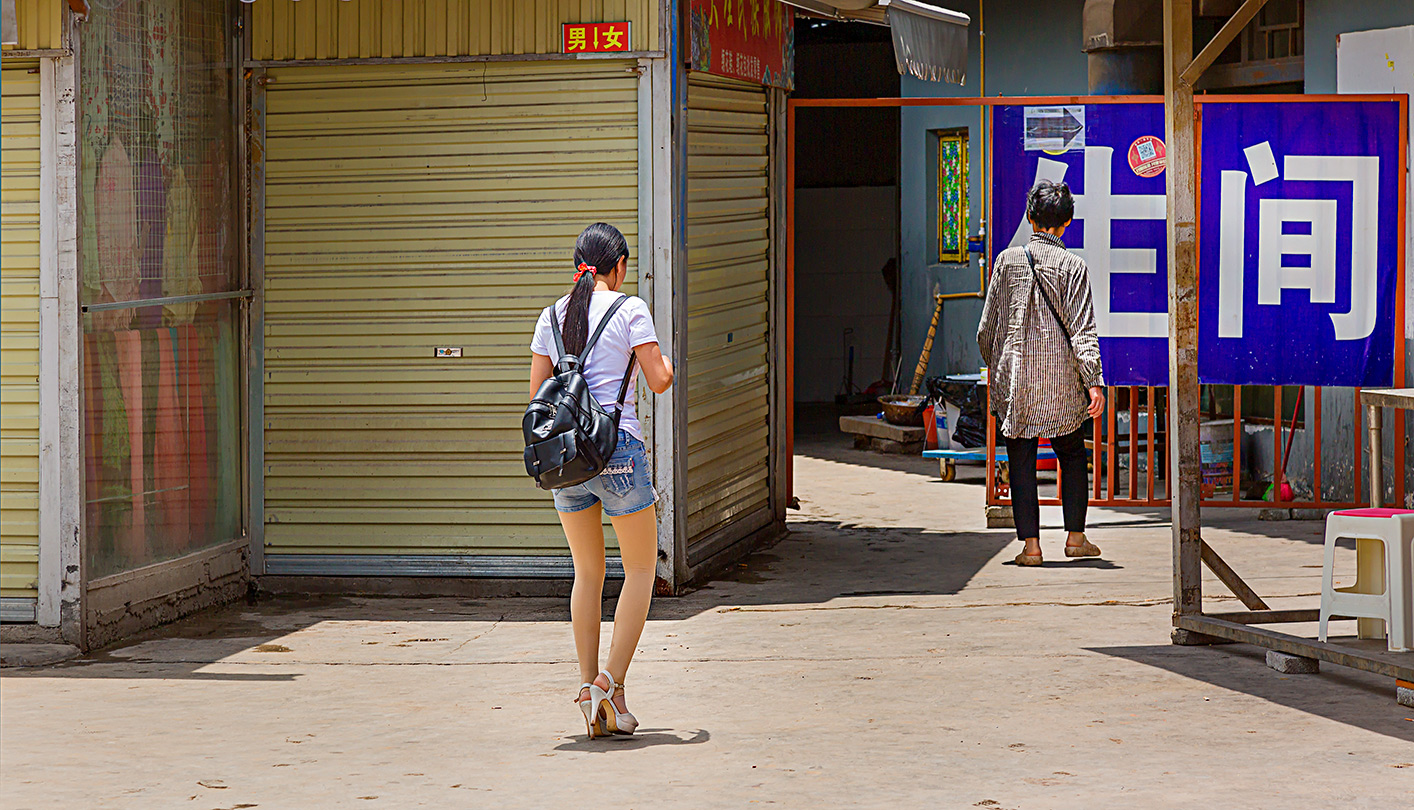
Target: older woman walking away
[624, 490]
[1037, 337]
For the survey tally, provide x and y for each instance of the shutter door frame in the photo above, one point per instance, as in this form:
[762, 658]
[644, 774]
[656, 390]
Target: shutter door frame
[548, 559]
[19, 561]
[730, 135]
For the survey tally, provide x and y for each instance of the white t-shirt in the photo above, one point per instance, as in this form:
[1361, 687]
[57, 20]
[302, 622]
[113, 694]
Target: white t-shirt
[631, 327]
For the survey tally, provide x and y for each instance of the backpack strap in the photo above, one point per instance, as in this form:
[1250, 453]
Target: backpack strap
[623, 389]
[603, 324]
[555, 330]
[632, 358]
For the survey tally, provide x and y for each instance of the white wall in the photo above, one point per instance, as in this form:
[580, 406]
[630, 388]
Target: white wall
[843, 237]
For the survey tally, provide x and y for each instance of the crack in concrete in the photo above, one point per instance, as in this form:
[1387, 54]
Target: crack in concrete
[1152, 602]
[493, 626]
[637, 659]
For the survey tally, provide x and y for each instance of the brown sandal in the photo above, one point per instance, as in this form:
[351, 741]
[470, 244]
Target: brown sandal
[1085, 549]
[1028, 559]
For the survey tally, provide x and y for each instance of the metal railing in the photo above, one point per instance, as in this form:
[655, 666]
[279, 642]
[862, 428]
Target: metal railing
[1129, 462]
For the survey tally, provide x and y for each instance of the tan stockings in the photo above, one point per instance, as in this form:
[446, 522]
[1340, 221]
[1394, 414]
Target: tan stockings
[638, 543]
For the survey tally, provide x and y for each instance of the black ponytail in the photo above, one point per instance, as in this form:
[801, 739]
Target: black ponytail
[600, 246]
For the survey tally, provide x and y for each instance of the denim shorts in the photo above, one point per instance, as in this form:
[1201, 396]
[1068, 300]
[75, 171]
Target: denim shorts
[624, 487]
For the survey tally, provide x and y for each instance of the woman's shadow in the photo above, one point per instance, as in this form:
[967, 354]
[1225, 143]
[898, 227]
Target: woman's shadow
[643, 739]
[1092, 562]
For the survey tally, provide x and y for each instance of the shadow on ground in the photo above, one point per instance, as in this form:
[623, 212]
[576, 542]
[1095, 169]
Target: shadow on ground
[820, 561]
[1348, 696]
[643, 738]
[817, 562]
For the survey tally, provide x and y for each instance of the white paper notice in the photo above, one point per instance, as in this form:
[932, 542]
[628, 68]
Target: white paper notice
[1054, 129]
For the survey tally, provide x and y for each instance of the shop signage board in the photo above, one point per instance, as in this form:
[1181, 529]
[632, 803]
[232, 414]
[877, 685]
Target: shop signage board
[1299, 216]
[603, 37]
[751, 40]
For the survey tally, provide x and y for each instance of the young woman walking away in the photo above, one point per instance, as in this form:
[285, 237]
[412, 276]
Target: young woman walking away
[1038, 339]
[624, 490]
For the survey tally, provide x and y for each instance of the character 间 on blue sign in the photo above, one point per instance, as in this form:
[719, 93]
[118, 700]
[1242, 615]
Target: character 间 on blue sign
[1115, 169]
[1299, 243]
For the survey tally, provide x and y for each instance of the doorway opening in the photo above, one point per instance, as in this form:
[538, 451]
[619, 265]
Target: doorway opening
[847, 323]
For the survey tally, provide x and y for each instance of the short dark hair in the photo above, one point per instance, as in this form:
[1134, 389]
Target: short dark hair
[1049, 204]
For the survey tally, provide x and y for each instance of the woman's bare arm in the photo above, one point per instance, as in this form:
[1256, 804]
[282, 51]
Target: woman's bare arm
[657, 369]
[540, 370]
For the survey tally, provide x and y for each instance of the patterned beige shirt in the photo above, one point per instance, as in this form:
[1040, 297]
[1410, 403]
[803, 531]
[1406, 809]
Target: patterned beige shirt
[1034, 376]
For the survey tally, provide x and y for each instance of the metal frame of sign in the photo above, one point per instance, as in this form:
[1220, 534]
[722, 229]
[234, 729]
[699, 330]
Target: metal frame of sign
[1199, 101]
[1401, 259]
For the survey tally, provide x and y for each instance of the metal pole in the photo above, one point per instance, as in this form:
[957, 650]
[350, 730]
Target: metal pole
[790, 305]
[1184, 399]
[1374, 414]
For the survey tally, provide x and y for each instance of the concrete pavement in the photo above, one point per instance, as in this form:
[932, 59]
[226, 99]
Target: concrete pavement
[885, 654]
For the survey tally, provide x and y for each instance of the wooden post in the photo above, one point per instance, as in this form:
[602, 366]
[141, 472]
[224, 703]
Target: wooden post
[1184, 402]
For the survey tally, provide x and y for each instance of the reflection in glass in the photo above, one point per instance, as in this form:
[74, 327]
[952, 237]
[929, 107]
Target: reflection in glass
[161, 438]
[157, 219]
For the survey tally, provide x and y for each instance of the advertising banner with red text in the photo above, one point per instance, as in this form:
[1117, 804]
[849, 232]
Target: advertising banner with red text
[752, 40]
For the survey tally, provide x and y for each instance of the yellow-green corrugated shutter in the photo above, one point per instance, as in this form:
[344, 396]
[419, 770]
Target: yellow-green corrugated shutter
[39, 25]
[409, 208]
[728, 274]
[19, 341]
[284, 30]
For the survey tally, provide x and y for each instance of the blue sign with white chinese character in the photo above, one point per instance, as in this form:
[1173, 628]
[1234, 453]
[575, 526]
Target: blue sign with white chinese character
[1299, 217]
[1112, 157]
[1299, 243]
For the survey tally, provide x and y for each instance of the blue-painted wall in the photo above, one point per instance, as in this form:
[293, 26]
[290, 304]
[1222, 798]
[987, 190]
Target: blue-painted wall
[1032, 49]
[1327, 19]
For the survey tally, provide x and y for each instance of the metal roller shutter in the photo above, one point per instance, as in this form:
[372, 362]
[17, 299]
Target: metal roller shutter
[19, 342]
[282, 30]
[728, 274]
[408, 208]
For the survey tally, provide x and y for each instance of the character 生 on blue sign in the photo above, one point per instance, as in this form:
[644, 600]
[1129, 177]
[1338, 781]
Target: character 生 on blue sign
[1115, 172]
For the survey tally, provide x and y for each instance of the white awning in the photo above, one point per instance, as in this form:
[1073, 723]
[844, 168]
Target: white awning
[929, 42]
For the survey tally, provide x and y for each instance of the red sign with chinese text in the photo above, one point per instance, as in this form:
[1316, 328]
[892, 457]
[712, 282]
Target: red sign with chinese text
[604, 37]
[752, 40]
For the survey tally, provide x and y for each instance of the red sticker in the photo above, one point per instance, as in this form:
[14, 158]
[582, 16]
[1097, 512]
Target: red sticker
[1147, 156]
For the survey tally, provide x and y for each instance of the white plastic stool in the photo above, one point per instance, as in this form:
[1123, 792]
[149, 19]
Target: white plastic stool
[1394, 528]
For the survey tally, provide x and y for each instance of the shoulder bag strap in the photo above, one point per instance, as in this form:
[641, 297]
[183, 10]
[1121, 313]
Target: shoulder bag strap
[1036, 277]
[1044, 297]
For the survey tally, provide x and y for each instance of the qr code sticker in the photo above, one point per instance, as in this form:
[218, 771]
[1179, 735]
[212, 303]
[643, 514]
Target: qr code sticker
[1145, 150]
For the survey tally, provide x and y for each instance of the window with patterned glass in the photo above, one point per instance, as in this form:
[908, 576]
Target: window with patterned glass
[953, 166]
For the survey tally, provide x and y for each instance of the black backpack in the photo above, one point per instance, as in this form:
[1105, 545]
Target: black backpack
[569, 437]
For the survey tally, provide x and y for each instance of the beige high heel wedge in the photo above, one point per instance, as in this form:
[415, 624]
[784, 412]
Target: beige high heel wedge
[615, 721]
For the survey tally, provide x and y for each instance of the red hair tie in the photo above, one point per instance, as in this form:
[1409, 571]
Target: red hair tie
[583, 268]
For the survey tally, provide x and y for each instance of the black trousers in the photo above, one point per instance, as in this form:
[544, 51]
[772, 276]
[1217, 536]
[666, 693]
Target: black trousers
[1075, 482]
